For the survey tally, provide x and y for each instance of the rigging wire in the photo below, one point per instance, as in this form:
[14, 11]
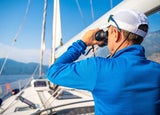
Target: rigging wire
[16, 36]
[81, 13]
[111, 4]
[92, 12]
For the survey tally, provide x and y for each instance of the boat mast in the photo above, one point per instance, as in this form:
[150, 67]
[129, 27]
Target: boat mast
[43, 38]
[56, 30]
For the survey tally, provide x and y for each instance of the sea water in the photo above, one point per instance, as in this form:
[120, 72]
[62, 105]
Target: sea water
[12, 78]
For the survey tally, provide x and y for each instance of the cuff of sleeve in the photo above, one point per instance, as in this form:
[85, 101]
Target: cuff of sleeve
[81, 46]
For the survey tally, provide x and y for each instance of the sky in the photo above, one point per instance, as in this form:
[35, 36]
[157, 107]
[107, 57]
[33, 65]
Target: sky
[28, 38]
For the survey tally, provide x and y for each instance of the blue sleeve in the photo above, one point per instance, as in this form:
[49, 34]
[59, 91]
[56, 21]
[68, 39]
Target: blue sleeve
[66, 72]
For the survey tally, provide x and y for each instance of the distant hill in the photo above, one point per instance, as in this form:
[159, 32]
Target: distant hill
[152, 46]
[152, 43]
[13, 67]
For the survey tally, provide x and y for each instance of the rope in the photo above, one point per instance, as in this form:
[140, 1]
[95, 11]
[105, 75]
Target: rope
[52, 95]
[16, 36]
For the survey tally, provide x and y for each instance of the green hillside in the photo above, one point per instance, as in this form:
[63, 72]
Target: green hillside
[13, 67]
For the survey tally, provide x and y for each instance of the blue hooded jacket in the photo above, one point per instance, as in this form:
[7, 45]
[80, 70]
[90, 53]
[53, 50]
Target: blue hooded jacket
[125, 84]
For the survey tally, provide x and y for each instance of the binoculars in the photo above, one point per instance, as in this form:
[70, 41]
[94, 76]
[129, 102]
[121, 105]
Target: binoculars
[102, 35]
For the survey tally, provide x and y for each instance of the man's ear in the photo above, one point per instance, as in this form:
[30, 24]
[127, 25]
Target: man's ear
[117, 35]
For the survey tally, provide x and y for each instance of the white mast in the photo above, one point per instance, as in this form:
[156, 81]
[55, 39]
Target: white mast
[56, 31]
[43, 38]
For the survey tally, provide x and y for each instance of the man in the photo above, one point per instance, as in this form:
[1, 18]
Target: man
[126, 83]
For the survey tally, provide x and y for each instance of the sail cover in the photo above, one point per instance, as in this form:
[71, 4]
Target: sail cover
[57, 35]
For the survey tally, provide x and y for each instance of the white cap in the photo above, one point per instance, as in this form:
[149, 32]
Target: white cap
[129, 20]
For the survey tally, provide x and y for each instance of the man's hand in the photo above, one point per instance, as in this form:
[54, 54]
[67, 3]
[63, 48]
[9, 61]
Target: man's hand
[89, 38]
